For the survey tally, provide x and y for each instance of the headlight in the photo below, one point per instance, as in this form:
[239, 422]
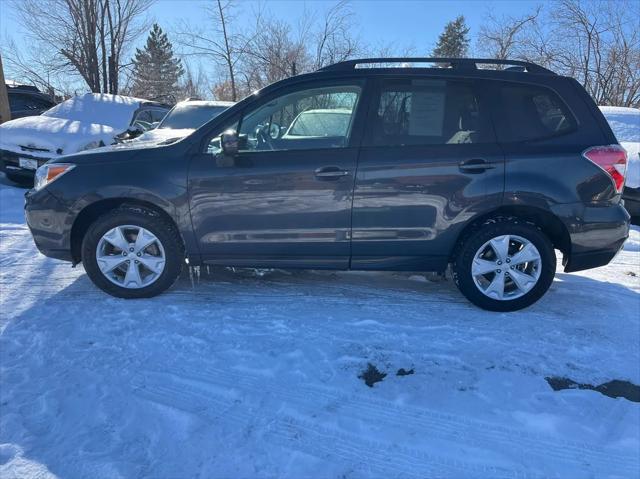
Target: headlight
[48, 173]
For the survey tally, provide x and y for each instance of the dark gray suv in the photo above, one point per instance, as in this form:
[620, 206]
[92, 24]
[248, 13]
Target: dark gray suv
[408, 164]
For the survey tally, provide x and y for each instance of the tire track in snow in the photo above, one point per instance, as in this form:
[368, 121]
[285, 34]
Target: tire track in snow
[458, 429]
[377, 457]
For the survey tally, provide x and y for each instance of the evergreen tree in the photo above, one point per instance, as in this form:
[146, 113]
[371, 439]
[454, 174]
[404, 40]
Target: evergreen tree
[453, 42]
[156, 71]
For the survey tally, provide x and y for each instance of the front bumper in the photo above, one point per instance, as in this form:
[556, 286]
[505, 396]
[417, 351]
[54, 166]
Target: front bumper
[597, 234]
[10, 163]
[48, 221]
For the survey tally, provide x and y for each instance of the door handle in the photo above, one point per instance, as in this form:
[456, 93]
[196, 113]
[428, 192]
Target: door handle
[330, 172]
[475, 165]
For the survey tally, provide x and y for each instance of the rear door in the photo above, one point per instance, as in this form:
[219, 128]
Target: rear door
[429, 163]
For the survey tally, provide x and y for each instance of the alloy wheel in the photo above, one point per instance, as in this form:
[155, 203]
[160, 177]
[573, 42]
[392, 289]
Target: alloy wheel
[506, 267]
[130, 256]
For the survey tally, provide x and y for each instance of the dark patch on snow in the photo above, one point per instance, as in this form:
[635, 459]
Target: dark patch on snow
[404, 372]
[631, 273]
[371, 375]
[612, 389]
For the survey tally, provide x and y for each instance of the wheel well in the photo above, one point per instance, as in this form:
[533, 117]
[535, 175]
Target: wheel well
[92, 212]
[547, 222]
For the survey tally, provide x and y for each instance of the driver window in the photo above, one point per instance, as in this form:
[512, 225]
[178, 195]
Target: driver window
[307, 119]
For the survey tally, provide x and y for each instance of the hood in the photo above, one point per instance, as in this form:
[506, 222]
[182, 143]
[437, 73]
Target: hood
[47, 136]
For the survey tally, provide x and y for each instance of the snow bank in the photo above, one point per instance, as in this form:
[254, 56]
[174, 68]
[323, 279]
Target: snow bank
[70, 126]
[625, 123]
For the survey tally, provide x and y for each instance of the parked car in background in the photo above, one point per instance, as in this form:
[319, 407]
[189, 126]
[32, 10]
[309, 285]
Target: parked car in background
[625, 123]
[78, 124]
[27, 100]
[485, 171]
[321, 123]
[183, 119]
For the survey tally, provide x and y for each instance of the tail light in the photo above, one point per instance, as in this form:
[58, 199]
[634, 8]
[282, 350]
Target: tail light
[612, 159]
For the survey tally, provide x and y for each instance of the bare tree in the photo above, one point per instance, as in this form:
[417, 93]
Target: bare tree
[194, 83]
[595, 41]
[275, 53]
[270, 49]
[86, 37]
[502, 37]
[279, 50]
[221, 43]
[334, 41]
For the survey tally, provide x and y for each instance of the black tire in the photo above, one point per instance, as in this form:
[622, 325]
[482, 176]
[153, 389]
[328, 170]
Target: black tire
[468, 247]
[21, 180]
[163, 229]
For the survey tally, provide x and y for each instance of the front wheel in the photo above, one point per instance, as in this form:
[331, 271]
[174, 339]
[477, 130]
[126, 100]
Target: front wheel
[132, 253]
[505, 265]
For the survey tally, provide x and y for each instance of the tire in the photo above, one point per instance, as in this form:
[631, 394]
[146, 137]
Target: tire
[168, 242]
[21, 180]
[515, 298]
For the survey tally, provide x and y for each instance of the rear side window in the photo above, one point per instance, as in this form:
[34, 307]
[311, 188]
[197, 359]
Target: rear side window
[428, 112]
[533, 113]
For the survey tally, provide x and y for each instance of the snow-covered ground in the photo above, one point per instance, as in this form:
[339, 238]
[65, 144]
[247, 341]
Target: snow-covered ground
[249, 376]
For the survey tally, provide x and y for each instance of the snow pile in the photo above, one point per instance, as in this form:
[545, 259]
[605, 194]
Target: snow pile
[71, 126]
[259, 375]
[625, 123]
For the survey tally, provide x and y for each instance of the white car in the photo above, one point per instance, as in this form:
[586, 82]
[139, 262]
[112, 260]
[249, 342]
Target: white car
[183, 119]
[625, 123]
[78, 124]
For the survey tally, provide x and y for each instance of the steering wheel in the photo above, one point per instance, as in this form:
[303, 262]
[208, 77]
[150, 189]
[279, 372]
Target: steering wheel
[265, 142]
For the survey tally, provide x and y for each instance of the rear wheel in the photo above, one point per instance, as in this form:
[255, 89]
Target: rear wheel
[132, 253]
[505, 265]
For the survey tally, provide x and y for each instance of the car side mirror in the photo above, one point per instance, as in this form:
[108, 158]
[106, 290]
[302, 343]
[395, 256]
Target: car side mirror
[229, 142]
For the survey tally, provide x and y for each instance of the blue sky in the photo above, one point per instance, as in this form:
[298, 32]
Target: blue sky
[403, 23]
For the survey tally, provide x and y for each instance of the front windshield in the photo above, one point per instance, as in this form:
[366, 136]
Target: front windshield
[190, 116]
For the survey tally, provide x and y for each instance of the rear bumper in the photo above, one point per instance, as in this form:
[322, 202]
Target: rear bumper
[48, 219]
[596, 233]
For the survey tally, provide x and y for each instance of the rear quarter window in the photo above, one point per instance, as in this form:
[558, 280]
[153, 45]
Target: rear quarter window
[532, 113]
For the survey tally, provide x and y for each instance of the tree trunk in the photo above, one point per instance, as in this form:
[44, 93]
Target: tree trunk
[5, 110]
[228, 56]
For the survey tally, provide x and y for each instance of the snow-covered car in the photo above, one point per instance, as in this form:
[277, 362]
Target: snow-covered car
[183, 119]
[78, 124]
[625, 123]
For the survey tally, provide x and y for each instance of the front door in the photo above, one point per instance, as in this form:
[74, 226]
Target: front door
[429, 163]
[286, 198]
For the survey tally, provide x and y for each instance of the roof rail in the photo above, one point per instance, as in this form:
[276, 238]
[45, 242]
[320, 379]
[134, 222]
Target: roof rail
[455, 63]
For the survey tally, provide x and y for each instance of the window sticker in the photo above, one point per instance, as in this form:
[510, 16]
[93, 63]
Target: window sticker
[427, 110]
